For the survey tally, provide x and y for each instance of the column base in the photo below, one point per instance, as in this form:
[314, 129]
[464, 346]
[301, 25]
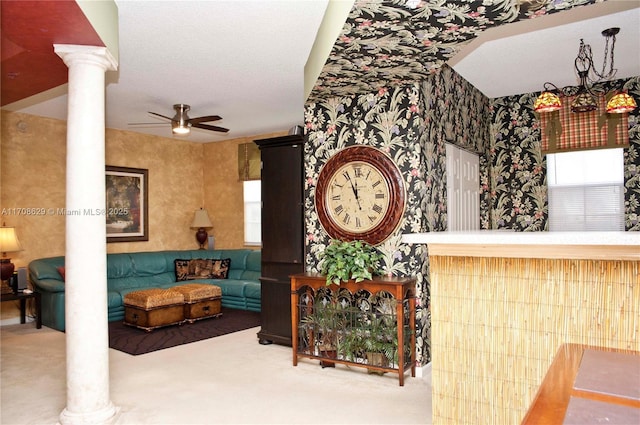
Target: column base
[108, 415]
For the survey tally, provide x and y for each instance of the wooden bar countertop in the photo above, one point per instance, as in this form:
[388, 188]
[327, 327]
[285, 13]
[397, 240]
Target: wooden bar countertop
[588, 384]
[510, 244]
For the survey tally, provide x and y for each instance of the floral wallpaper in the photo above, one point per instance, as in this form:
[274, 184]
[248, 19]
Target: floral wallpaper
[390, 120]
[516, 186]
[385, 85]
[396, 42]
[411, 124]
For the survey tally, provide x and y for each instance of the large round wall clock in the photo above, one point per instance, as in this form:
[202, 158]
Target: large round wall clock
[360, 195]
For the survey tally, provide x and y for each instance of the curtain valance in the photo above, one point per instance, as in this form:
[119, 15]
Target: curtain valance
[564, 131]
[248, 162]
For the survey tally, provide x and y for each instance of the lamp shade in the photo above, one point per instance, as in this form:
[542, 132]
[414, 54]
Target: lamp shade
[9, 240]
[584, 102]
[621, 103]
[201, 219]
[547, 102]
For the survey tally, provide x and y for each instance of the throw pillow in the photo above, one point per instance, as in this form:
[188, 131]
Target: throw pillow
[220, 269]
[182, 269]
[193, 269]
[61, 271]
[201, 269]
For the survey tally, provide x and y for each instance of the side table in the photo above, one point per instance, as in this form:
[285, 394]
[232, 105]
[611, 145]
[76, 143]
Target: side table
[23, 297]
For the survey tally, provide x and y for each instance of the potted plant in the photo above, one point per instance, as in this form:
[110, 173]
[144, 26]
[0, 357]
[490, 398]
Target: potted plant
[324, 323]
[381, 346]
[345, 260]
[382, 342]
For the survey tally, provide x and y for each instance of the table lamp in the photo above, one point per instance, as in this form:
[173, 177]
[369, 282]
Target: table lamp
[201, 222]
[8, 243]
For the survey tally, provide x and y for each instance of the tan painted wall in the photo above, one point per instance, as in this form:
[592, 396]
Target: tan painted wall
[183, 176]
[33, 161]
[223, 190]
[175, 186]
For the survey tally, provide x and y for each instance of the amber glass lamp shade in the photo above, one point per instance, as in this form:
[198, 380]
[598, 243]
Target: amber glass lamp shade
[584, 102]
[621, 103]
[547, 102]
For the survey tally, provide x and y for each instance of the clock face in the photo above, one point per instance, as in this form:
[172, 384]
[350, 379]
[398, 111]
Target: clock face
[360, 195]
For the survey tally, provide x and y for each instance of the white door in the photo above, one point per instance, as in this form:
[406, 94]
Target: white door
[463, 189]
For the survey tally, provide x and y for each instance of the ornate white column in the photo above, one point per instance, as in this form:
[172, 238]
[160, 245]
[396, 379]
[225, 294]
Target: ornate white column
[86, 317]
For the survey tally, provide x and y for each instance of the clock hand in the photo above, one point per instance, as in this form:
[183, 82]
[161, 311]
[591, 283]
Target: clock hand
[353, 188]
[355, 191]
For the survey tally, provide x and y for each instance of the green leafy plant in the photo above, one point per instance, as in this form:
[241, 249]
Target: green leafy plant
[345, 260]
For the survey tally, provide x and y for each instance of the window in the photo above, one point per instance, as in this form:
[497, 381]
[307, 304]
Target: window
[586, 190]
[252, 212]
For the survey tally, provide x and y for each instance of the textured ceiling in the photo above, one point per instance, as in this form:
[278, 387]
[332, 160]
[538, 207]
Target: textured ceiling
[391, 42]
[520, 57]
[244, 60]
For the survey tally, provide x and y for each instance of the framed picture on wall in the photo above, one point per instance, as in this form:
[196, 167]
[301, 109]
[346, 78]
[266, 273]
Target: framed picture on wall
[127, 210]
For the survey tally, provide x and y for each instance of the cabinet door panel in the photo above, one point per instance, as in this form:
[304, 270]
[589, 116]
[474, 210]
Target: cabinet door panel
[282, 221]
[282, 233]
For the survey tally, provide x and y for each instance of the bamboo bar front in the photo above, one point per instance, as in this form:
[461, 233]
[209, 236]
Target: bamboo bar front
[498, 320]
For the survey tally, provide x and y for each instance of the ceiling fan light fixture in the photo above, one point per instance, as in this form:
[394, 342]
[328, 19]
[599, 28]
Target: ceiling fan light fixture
[180, 130]
[547, 102]
[620, 103]
[179, 123]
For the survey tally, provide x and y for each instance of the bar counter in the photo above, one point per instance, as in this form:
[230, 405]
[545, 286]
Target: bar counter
[487, 243]
[503, 303]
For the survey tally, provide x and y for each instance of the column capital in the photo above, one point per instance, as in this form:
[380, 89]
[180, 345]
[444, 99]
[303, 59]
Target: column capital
[74, 53]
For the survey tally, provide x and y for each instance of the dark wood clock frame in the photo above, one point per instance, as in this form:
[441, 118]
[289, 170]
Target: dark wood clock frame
[391, 174]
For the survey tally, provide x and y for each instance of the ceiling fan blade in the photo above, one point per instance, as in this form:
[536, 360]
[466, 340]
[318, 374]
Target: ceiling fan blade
[207, 118]
[210, 127]
[161, 116]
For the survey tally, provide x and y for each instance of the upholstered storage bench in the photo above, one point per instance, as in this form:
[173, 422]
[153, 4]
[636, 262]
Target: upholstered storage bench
[153, 308]
[201, 301]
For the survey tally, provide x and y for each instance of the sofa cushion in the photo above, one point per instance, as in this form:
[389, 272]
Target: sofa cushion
[231, 287]
[253, 266]
[119, 266]
[201, 268]
[252, 290]
[45, 268]
[148, 263]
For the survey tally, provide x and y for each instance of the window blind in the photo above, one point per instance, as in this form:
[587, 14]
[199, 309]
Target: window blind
[586, 190]
[596, 207]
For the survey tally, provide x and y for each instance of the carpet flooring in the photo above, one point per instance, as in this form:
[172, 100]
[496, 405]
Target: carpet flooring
[134, 341]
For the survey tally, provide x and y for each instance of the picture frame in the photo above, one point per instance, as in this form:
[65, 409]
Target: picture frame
[127, 204]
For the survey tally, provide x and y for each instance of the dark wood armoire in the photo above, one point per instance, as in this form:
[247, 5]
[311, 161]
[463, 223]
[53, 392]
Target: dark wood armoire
[282, 232]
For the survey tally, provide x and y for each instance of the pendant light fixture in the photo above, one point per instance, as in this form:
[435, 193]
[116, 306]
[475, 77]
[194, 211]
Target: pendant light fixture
[620, 103]
[585, 95]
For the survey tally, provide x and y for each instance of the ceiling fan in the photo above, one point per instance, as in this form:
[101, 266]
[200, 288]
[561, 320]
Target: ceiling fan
[181, 123]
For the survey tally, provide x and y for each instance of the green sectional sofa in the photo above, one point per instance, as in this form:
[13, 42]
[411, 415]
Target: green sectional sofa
[140, 270]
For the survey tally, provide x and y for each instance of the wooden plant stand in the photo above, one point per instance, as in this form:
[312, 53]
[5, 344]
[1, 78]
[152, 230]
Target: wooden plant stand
[362, 302]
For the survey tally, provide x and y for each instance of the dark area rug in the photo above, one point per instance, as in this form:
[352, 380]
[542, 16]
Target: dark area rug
[136, 341]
